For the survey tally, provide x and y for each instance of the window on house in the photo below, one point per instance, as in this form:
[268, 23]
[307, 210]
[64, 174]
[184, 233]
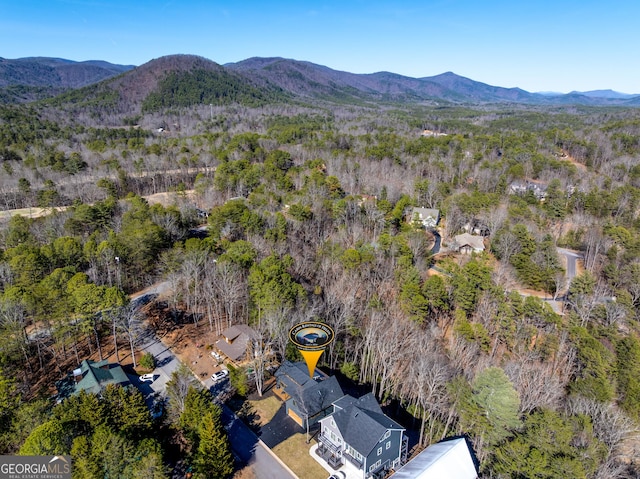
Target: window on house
[388, 446]
[379, 451]
[355, 453]
[386, 435]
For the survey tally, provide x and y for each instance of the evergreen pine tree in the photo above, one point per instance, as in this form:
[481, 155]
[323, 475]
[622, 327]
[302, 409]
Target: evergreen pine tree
[213, 458]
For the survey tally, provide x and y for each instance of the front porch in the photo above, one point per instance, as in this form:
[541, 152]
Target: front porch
[330, 452]
[349, 470]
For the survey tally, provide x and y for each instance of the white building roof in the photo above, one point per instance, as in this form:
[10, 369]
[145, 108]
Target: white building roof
[448, 459]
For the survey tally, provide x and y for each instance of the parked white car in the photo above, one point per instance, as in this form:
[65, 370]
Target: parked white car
[146, 378]
[219, 376]
[216, 356]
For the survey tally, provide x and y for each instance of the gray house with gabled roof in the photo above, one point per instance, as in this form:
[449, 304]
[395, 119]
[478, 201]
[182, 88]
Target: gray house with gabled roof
[359, 432]
[307, 399]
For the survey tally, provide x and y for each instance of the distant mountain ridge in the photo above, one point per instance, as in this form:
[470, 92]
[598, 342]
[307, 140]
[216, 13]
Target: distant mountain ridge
[183, 80]
[56, 72]
[309, 79]
[604, 94]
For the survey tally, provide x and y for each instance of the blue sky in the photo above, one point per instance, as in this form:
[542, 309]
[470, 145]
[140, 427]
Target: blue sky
[540, 45]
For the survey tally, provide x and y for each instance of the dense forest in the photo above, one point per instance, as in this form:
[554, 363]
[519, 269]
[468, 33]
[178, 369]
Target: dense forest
[309, 216]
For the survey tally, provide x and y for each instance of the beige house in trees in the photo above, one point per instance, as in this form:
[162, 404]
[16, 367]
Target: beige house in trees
[467, 243]
[236, 342]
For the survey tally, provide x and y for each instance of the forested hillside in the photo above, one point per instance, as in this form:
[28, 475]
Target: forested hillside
[28, 79]
[310, 217]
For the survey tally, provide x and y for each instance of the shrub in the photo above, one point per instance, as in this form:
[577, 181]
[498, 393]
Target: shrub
[148, 361]
[238, 380]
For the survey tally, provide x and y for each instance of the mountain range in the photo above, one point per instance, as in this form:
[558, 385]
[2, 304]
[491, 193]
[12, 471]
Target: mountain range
[56, 72]
[181, 80]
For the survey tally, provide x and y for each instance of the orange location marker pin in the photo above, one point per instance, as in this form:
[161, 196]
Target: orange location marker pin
[311, 338]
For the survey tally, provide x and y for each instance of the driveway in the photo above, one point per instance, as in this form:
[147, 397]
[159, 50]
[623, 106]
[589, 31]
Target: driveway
[166, 364]
[280, 428]
[252, 451]
[437, 242]
[572, 257]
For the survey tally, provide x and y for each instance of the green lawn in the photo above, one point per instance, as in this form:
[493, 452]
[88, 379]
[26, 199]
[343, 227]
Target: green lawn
[265, 409]
[294, 452]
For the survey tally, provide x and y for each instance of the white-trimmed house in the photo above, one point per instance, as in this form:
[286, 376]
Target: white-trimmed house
[359, 432]
[521, 188]
[427, 217]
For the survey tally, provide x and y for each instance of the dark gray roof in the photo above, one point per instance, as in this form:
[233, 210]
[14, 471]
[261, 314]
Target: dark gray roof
[312, 396]
[318, 396]
[361, 427]
[293, 374]
[368, 401]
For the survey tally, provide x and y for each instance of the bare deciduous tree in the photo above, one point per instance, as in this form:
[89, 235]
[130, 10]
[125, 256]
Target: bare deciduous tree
[610, 424]
[423, 383]
[507, 246]
[537, 382]
[261, 353]
[13, 321]
[130, 323]
[614, 312]
[594, 242]
[177, 388]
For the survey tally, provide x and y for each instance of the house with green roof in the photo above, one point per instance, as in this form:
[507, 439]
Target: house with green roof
[93, 376]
